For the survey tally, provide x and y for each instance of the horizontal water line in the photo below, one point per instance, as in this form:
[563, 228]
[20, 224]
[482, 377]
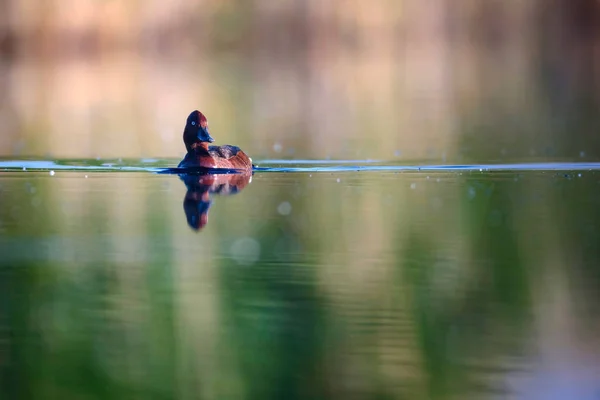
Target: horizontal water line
[441, 168]
[298, 166]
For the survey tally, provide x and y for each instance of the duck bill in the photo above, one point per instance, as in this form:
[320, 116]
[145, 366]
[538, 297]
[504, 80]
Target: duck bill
[204, 136]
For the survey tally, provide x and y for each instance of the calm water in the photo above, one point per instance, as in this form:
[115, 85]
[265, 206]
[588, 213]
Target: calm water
[302, 281]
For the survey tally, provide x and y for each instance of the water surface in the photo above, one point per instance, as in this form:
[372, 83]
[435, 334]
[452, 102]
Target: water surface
[304, 280]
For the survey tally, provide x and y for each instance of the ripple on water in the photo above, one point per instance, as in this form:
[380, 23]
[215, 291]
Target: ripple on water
[311, 166]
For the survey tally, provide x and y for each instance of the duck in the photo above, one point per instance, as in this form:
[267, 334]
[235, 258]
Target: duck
[199, 154]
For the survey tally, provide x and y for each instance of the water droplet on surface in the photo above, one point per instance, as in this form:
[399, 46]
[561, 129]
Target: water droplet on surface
[284, 208]
[245, 251]
[472, 193]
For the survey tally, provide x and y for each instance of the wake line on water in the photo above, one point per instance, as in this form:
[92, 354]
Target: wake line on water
[440, 168]
[297, 166]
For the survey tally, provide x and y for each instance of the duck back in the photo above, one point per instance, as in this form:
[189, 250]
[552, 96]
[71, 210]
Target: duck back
[226, 156]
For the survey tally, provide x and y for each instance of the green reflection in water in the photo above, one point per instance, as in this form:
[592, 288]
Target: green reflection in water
[330, 285]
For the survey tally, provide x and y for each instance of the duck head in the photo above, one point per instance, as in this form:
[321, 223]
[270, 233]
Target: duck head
[196, 130]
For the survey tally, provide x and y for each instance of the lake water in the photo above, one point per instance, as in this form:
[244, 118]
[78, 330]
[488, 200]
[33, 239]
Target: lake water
[327, 279]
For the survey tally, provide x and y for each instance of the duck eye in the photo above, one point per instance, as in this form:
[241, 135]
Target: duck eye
[193, 123]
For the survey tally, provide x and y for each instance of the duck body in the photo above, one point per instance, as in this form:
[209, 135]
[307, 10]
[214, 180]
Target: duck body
[223, 157]
[199, 154]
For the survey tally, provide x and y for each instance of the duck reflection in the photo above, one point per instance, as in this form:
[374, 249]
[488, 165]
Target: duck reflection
[200, 187]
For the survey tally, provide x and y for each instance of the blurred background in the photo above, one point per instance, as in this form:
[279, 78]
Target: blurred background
[409, 80]
[382, 284]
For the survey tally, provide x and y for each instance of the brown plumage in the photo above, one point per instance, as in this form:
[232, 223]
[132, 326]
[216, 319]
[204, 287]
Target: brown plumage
[200, 154]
